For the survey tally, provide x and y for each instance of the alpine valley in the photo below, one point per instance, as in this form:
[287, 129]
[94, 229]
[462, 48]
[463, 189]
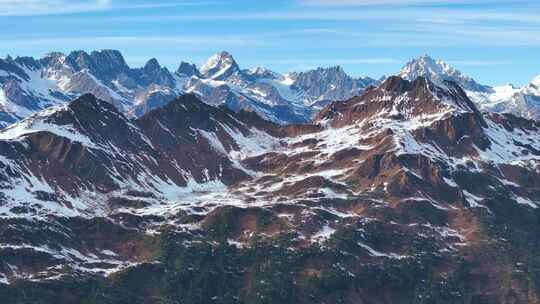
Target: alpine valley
[225, 185]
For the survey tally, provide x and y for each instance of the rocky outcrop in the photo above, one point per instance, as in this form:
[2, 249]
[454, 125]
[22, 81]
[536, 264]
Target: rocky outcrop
[29, 85]
[405, 192]
[325, 85]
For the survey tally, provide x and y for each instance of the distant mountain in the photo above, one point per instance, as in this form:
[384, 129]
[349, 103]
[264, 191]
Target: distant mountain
[324, 85]
[438, 71]
[291, 98]
[220, 67]
[523, 102]
[28, 85]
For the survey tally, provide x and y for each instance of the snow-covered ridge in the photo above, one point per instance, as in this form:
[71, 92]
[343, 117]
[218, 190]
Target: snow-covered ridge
[399, 147]
[219, 66]
[128, 153]
[28, 85]
[439, 71]
[501, 99]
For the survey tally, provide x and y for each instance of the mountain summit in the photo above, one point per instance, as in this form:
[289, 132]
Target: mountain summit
[28, 85]
[438, 71]
[524, 102]
[220, 66]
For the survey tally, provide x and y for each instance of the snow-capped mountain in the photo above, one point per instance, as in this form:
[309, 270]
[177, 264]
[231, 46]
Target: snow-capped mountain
[28, 85]
[500, 99]
[400, 193]
[523, 102]
[324, 85]
[438, 71]
[291, 98]
[220, 67]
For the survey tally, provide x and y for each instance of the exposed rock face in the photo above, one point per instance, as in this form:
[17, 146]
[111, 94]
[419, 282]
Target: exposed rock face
[28, 85]
[186, 69]
[524, 102]
[438, 71]
[220, 66]
[97, 149]
[294, 98]
[331, 84]
[106, 64]
[405, 192]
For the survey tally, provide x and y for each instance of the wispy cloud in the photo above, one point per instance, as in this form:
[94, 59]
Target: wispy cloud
[52, 7]
[328, 3]
[405, 14]
[58, 7]
[124, 41]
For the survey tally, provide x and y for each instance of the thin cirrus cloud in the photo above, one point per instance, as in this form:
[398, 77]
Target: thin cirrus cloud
[393, 2]
[425, 15]
[129, 40]
[59, 7]
[430, 36]
[44, 7]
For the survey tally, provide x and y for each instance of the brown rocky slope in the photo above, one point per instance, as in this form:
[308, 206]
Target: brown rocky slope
[406, 194]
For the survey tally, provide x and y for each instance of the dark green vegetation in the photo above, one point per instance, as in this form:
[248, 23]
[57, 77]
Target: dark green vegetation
[191, 268]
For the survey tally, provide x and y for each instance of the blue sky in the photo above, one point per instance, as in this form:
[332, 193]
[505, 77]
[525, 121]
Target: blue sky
[494, 41]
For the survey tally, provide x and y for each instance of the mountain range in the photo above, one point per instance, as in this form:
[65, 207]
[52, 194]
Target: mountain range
[500, 99]
[406, 193]
[28, 85]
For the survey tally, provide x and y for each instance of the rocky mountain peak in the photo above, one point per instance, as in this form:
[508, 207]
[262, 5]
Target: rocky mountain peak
[402, 100]
[28, 62]
[536, 81]
[448, 92]
[334, 71]
[438, 71]
[86, 120]
[80, 60]
[186, 111]
[262, 72]
[152, 66]
[112, 58]
[105, 65]
[52, 55]
[53, 60]
[153, 74]
[86, 114]
[329, 84]
[220, 66]
[9, 66]
[60, 78]
[109, 63]
[88, 104]
[186, 69]
[399, 85]
[429, 68]
[532, 93]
